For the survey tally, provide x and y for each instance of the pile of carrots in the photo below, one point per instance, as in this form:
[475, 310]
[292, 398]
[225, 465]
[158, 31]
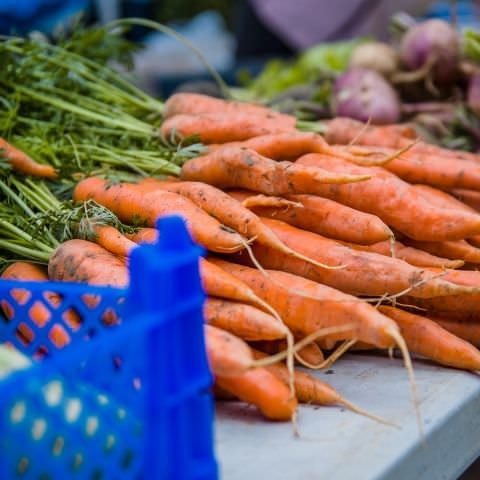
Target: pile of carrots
[364, 238]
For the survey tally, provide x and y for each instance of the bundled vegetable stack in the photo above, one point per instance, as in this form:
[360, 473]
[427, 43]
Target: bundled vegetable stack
[428, 75]
[301, 230]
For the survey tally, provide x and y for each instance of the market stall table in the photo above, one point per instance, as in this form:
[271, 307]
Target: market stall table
[339, 445]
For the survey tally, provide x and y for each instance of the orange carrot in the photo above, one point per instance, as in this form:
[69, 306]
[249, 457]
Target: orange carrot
[365, 273]
[454, 249]
[235, 167]
[216, 281]
[411, 255]
[312, 390]
[227, 354]
[418, 167]
[427, 338]
[225, 209]
[308, 388]
[469, 197]
[294, 144]
[444, 200]
[39, 313]
[455, 303]
[396, 202]
[262, 389]
[130, 205]
[83, 261]
[322, 216]
[324, 306]
[251, 199]
[112, 240]
[344, 131]
[469, 331]
[244, 321]
[310, 354]
[22, 163]
[220, 127]
[197, 104]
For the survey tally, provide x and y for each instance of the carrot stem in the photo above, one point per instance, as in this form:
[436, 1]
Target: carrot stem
[25, 251]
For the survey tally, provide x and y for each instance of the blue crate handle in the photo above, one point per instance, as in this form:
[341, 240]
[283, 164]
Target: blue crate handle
[142, 378]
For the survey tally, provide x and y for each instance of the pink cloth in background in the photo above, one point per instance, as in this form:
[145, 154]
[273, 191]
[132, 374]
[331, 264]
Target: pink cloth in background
[303, 23]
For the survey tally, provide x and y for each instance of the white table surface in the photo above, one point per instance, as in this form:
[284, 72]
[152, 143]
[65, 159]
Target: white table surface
[339, 445]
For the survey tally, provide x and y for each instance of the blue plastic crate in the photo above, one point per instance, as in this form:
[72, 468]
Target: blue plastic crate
[129, 396]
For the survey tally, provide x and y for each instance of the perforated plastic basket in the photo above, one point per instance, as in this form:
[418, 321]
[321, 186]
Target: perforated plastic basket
[128, 396]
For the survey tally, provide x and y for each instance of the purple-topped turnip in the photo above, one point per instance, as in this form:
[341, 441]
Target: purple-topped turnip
[432, 46]
[365, 95]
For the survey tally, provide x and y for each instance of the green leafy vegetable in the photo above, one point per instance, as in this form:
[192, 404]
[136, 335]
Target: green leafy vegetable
[324, 60]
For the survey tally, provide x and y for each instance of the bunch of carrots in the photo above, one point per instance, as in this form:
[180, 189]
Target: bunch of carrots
[361, 238]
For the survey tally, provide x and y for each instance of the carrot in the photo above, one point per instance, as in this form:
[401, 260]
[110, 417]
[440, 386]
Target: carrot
[22, 163]
[419, 167]
[323, 307]
[291, 145]
[262, 389]
[469, 197]
[216, 281]
[454, 249]
[344, 131]
[444, 200]
[220, 127]
[365, 273]
[427, 338]
[235, 167]
[396, 202]
[411, 255]
[227, 354]
[83, 261]
[310, 354]
[112, 240]
[39, 314]
[312, 390]
[197, 104]
[226, 210]
[244, 321]
[130, 205]
[456, 303]
[322, 216]
[251, 199]
[469, 331]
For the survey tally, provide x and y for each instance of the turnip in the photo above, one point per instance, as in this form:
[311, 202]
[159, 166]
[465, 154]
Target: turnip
[365, 95]
[376, 56]
[432, 48]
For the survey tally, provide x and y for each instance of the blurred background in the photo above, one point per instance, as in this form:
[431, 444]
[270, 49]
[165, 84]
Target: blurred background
[237, 37]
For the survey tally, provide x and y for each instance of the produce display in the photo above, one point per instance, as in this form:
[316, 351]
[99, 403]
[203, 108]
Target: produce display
[363, 237]
[427, 75]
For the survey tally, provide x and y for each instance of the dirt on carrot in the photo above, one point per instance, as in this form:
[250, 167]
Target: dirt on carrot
[235, 167]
